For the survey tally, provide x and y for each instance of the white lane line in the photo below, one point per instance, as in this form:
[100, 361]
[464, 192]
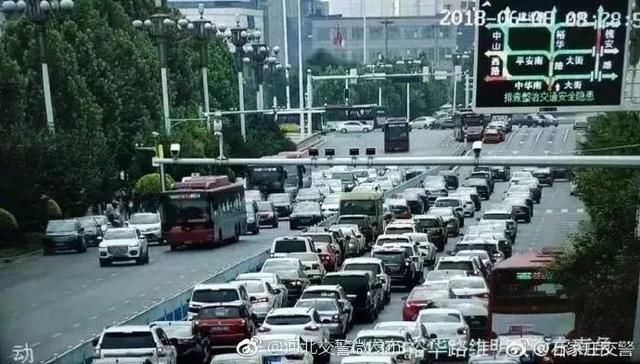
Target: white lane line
[522, 142]
[141, 295]
[111, 309]
[77, 324]
[35, 344]
[515, 152]
[548, 211]
[580, 211]
[539, 135]
[550, 142]
[156, 288]
[193, 270]
[113, 274]
[126, 302]
[94, 317]
[99, 279]
[564, 211]
[57, 334]
[566, 134]
[68, 293]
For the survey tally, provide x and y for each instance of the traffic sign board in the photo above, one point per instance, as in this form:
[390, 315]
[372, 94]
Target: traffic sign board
[564, 55]
[440, 75]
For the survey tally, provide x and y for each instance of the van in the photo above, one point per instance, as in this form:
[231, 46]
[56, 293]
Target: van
[281, 247]
[416, 204]
[364, 203]
[499, 213]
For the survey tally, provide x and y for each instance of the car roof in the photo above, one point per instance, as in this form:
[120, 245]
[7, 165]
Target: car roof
[362, 260]
[393, 236]
[441, 310]
[456, 259]
[323, 287]
[259, 275]
[292, 237]
[215, 286]
[397, 223]
[290, 260]
[348, 273]
[128, 328]
[380, 333]
[290, 311]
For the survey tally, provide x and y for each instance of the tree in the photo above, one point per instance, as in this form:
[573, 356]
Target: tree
[600, 268]
[148, 189]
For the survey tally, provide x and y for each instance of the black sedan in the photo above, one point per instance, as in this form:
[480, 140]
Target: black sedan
[92, 230]
[267, 214]
[189, 347]
[305, 214]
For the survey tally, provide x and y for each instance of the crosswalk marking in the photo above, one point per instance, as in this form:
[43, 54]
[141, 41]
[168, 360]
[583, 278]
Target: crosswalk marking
[580, 211]
[548, 211]
[564, 211]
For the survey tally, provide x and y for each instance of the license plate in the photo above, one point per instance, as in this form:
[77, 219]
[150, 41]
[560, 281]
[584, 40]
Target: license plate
[188, 242]
[219, 328]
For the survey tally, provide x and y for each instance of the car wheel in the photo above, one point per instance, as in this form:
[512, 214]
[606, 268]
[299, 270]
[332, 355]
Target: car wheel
[256, 231]
[366, 130]
[140, 260]
[173, 247]
[105, 263]
[275, 225]
[146, 257]
[82, 248]
[343, 131]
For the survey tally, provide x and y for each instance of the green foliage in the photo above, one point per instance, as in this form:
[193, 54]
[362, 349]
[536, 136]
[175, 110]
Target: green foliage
[53, 209]
[105, 85]
[600, 268]
[8, 223]
[150, 186]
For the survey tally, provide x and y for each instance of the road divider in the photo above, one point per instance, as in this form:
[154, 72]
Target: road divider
[173, 308]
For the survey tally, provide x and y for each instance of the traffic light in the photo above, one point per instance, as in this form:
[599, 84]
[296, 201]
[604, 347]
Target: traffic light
[346, 95]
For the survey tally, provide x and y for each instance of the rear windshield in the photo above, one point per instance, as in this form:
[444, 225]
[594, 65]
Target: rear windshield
[371, 267]
[290, 246]
[127, 340]
[320, 294]
[497, 216]
[349, 283]
[177, 331]
[319, 305]
[288, 320]
[320, 238]
[429, 223]
[351, 220]
[456, 265]
[144, 219]
[447, 203]
[254, 286]
[390, 258]
[466, 283]
[219, 295]
[439, 317]
[425, 294]
[219, 312]
[391, 241]
[398, 230]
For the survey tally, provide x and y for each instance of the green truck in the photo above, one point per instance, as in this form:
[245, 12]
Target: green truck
[364, 203]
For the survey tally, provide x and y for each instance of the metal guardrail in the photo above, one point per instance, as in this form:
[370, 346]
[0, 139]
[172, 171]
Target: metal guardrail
[415, 181]
[171, 309]
[309, 141]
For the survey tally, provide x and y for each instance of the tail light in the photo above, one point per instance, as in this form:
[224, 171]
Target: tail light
[311, 328]
[261, 300]
[462, 331]
[484, 295]
[161, 352]
[264, 329]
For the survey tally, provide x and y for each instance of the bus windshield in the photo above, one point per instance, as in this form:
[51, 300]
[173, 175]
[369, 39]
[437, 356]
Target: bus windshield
[357, 207]
[185, 211]
[265, 174]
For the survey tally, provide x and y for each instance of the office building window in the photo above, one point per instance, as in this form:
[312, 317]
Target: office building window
[412, 32]
[322, 34]
[375, 33]
[356, 32]
[428, 31]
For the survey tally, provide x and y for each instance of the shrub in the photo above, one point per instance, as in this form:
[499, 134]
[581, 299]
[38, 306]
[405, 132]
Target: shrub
[53, 209]
[149, 185]
[8, 222]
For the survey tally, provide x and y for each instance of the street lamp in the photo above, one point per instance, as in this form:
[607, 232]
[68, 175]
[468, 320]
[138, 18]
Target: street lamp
[273, 67]
[239, 36]
[203, 31]
[260, 54]
[39, 12]
[160, 26]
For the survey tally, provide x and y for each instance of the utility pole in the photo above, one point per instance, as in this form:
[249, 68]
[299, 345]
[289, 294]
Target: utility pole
[286, 52]
[386, 23]
[300, 70]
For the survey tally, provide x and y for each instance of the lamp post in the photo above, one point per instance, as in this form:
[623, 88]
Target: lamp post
[39, 12]
[160, 26]
[239, 38]
[260, 54]
[386, 23]
[203, 31]
[458, 59]
[273, 67]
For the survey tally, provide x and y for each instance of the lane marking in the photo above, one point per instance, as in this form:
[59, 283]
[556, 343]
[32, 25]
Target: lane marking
[77, 324]
[564, 211]
[57, 334]
[94, 317]
[538, 136]
[68, 293]
[99, 279]
[111, 309]
[126, 302]
[550, 141]
[114, 274]
[515, 152]
[35, 344]
[566, 134]
[580, 211]
[548, 211]
[141, 295]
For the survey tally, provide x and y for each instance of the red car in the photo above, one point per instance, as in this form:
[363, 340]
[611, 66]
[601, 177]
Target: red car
[493, 136]
[328, 256]
[225, 324]
[421, 297]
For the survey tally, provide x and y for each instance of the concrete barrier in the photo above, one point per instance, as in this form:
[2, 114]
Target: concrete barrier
[310, 141]
[171, 309]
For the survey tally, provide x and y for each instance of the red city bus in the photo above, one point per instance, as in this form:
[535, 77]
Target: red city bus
[526, 303]
[203, 211]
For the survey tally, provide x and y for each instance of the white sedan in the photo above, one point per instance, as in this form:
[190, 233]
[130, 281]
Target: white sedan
[354, 126]
[423, 122]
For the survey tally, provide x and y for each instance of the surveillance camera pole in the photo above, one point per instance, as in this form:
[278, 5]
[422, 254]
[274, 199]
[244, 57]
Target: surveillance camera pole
[163, 187]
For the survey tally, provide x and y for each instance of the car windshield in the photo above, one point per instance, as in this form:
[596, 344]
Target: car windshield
[253, 286]
[437, 275]
[384, 241]
[319, 305]
[306, 208]
[389, 258]
[114, 234]
[179, 209]
[371, 267]
[453, 265]
[398, 230]
[219, 312]
[127, 340]
[447, 203]
[283, 198]
[308, 193]
[349, 283]
[287, 319]
[344, 176]
[215, 295]
[357, 207]
[144, 219]
[61, 226]
[264, 207]
[466, 283]
[435, 317]
[289, 246]
[428, 294]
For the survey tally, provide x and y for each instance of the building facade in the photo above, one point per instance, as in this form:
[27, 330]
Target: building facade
[393, 37]
[224, 12]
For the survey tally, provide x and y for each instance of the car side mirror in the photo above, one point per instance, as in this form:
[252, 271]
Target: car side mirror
[252, 299]
[94, 341]
[318, 250]
[404, 298]
[188, 300]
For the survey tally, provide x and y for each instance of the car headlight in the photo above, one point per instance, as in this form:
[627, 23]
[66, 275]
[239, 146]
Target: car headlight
[134, 245]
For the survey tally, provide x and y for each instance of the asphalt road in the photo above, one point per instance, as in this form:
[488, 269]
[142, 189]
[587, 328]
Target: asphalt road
[557, 215]
[55, 302]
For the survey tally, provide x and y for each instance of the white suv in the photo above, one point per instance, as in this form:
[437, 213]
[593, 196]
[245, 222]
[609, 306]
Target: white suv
[302, 321]
[281, 247]
[207, 293]
[134, 344]
[148, 223]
